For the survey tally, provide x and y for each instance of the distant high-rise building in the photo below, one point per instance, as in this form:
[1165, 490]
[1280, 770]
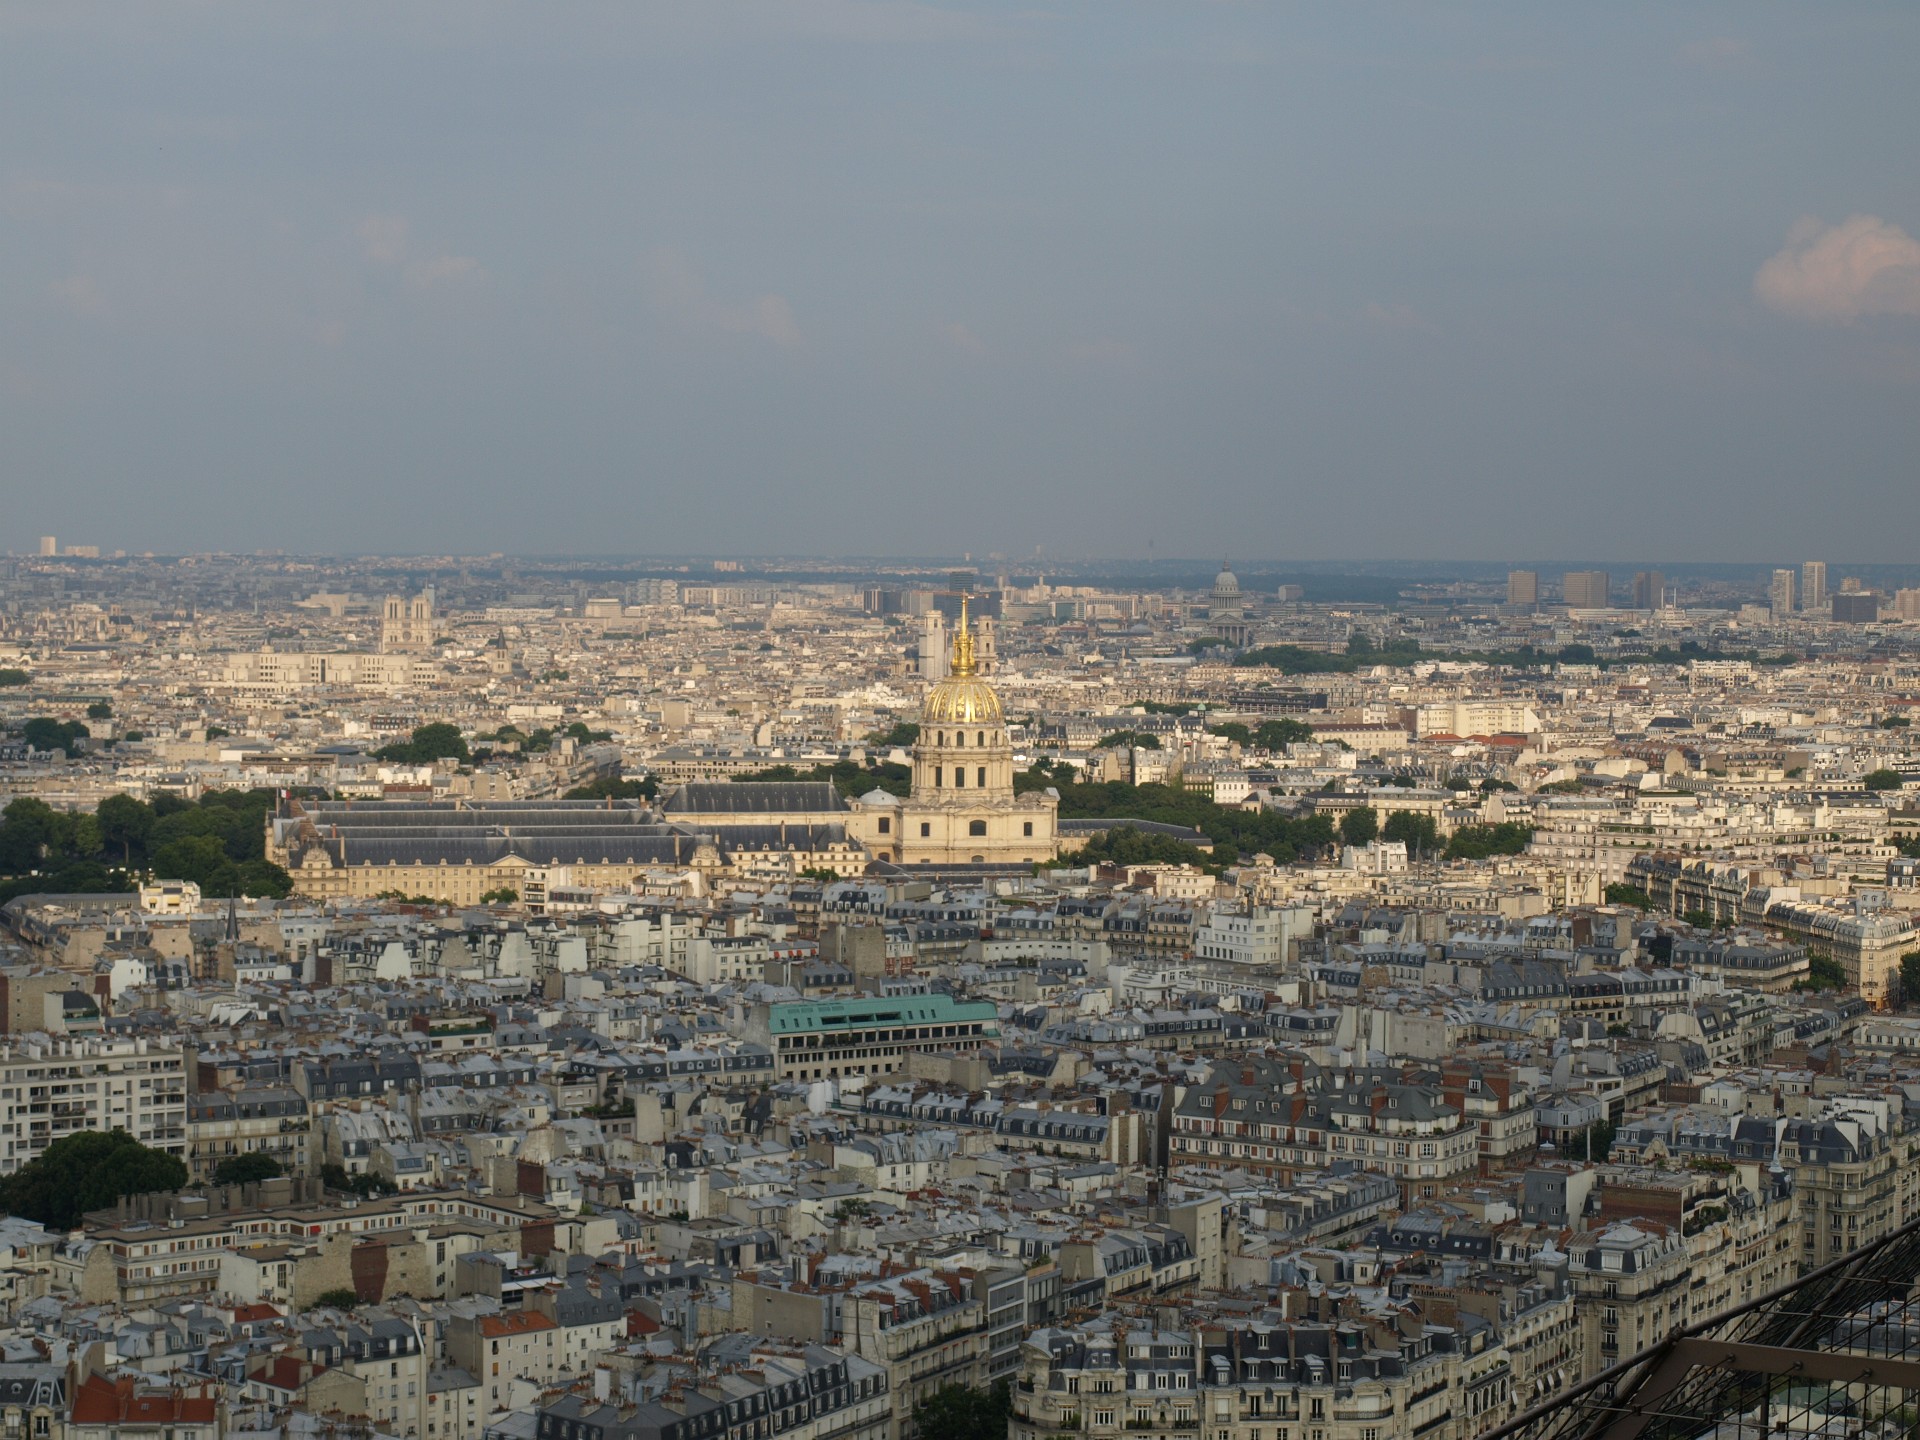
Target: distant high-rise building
[1523, 587]
[1813, 585]
[1906, 604]
[1780, 593]
[49, 545]
[1585, 589]
[1649, 590]
[1851, 584]
[1856, 607]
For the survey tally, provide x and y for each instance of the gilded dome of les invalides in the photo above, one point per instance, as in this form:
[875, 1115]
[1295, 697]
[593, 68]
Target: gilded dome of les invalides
[963, 698]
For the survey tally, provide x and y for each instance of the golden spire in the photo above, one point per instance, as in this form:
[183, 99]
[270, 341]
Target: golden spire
[962, 665]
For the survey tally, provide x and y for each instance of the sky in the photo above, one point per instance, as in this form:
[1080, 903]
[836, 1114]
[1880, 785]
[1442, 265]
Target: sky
[1124, 278]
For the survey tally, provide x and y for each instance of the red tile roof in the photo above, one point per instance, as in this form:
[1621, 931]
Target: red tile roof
[521, 1322]
[100, 1401]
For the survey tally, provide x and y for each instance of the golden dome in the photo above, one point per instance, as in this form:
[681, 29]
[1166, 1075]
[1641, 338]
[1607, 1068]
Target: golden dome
[962, 698]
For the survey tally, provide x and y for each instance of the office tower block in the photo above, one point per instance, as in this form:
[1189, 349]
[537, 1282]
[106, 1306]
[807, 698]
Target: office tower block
[1523, 587]
[1780, 593]
[1649, 590]
[1585, 589]
[1813, 585]
[49, 545]
[1856, 607]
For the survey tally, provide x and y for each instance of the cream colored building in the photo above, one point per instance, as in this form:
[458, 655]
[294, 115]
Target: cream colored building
[963, 809]
[407, 626]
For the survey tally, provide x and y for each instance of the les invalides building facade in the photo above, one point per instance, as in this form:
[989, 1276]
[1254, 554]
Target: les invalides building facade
[963, 810]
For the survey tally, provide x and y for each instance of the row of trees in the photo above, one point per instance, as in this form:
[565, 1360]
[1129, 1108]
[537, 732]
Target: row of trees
[849, 777]
[1267, 735]
[1421, 835]
[442, 741]
[1236, 834]
[217, 843]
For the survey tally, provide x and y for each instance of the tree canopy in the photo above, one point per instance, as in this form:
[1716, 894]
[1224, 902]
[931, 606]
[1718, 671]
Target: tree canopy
[1882, 779]
[616, 788]
[849, 777]
[217, 843]
[44, 733]
[1130, 845]
[963, 1412]
[1236, 834]
[247, 1169]
[437, 741]
[1910, 978]
[1419, 833]
[1361, 826]
[90, 1170]
[1478, 842]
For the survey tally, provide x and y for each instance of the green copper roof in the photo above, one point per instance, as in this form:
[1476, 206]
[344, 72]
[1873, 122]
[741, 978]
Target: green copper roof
[851, 1014]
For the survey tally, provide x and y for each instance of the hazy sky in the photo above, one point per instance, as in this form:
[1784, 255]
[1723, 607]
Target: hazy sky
[1623, 279]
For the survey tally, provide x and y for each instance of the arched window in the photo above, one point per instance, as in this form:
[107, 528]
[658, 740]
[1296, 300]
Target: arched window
[941, 738]
[960, 738]
[982, 738]
[976, 827]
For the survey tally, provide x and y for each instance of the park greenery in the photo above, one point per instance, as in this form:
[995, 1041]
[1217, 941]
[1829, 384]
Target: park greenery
[89, 1170]
[1237, 834]
[218, 843]
[1882, 779]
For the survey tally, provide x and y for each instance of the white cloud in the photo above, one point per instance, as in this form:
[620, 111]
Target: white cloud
[1862, 266]
[444, 269]
[385, 238]
[80, 294]
[676, 289]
